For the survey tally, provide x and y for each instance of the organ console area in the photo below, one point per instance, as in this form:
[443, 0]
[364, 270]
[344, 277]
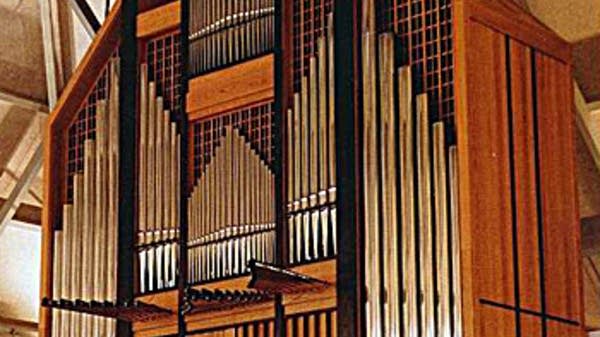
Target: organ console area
[304, 168]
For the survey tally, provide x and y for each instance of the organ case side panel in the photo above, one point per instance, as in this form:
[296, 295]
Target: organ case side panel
[514, 126]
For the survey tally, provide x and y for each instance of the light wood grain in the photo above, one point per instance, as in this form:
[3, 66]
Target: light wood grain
[159, 20]
[247, 83]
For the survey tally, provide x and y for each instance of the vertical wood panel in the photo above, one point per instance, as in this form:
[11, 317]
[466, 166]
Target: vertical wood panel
[561, 233]
[488, 166]
[525, 179]
[496, 322]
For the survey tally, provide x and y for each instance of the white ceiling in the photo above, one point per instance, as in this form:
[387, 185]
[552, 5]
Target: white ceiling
[19, 280]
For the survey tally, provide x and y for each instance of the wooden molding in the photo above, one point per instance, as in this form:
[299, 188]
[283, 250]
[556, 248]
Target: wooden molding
[234, 87]
[159, 20]
[508, 18]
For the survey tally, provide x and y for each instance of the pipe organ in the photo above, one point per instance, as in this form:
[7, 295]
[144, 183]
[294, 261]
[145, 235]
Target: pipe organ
[413, 156]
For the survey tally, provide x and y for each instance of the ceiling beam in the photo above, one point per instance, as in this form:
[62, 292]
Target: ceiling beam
[23, 102]
[584, 123]
[18, 324]
[586, 68]
[8, 210]
[86, 15]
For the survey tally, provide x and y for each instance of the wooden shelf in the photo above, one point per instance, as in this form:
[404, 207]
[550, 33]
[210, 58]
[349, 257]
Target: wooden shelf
[135, 311]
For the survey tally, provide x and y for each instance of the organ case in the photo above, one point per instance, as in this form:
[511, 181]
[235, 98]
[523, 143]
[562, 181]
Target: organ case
[453, 229]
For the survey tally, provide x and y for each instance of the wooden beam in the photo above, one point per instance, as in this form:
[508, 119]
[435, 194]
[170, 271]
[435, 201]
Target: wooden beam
[9, 208]
[584, 124]
[24, 102]
[49, 50]
[86, 16]
[586, 68]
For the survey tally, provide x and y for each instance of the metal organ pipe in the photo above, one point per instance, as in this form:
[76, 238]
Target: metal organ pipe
[410, 164]
[85, 247]
[158, 194]
[231, 207]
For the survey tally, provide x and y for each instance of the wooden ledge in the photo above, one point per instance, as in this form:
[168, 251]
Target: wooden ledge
[235, 87]
[159, 20]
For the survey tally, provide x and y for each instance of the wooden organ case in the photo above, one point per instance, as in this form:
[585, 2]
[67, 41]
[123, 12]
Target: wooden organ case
[314, 168]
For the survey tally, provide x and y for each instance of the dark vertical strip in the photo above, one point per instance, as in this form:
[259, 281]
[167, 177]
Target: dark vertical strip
[280, 325]
[513, 196]
[182, 120]
[281, 51]
[282, 83]
[127, 149]
[350, 275]
[538, 192]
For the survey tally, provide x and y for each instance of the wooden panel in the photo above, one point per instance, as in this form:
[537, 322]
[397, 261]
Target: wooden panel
[155, 330]
[525, 176]
[556, 329]
[159, 20]
[496, 322]
[230, 317]
[531, 326]
[562, 260]
[488, 167]
[233, 87]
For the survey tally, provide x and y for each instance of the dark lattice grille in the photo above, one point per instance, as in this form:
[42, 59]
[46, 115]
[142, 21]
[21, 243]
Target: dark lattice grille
[164, 68]
[254, 123]
[310, 22]
[84, 127]
[425, 29]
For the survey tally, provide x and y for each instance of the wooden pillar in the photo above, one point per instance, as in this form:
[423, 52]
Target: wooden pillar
[350, 278]
[127, 149]
[182, 121]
